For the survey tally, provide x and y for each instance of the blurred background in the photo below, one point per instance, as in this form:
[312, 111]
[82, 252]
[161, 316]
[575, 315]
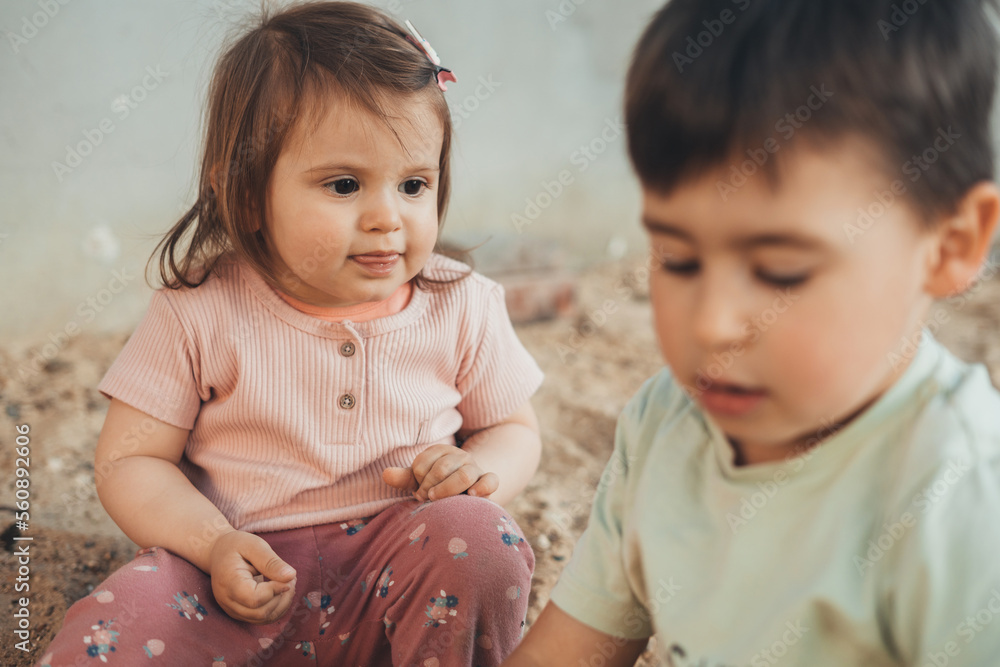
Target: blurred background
[102, 117]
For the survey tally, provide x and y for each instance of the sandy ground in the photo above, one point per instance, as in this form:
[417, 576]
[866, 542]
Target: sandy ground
[593, 364]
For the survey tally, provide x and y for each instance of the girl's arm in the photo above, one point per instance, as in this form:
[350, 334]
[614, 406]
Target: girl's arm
[498, 462]
[511, 450]
[154, 503]
[143, 490]
[556, 638]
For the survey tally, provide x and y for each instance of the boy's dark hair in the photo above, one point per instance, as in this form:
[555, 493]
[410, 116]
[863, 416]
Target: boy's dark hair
[272, 78]
[713, 79]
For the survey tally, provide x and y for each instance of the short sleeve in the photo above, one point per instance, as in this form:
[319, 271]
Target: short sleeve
[942, 599]
[596, 587]
[156, 370]
[500, 374]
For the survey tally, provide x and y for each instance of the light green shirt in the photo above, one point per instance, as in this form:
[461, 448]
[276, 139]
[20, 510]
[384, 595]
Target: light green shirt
[880, 546]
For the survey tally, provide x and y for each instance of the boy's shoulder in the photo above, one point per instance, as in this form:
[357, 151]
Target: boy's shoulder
[660, 409]
[935, 553]
[658, 397]
[955, 429]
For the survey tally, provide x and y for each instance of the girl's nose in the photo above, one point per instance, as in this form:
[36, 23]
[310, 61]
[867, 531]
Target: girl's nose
[381, 213]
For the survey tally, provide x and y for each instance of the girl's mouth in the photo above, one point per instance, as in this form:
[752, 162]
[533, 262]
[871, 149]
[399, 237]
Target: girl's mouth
[377, 264]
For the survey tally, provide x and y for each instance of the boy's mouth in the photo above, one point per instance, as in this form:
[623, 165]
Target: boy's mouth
[729, 400]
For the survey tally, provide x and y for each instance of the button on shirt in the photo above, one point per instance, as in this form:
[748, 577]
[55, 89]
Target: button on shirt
[362, 312]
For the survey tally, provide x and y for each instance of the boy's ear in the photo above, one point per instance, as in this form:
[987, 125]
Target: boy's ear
[962, 241]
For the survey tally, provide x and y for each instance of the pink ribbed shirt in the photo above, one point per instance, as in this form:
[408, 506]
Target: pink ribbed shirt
[292, 417]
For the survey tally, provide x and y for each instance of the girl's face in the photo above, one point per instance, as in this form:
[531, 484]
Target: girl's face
[352, 205]
[779, 311]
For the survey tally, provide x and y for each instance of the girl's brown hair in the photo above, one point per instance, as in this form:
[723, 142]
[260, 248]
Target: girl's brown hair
[260, 89]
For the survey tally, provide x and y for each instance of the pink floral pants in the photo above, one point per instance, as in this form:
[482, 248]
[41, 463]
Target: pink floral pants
[431, 585]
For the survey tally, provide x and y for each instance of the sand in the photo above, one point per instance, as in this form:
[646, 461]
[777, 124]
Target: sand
[593, 363]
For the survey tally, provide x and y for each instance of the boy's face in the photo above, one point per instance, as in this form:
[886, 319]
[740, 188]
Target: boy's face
[776, 314]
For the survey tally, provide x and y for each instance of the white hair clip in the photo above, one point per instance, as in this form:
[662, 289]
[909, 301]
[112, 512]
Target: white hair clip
[443, 73]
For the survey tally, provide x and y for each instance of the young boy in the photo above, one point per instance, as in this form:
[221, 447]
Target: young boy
[815, 480]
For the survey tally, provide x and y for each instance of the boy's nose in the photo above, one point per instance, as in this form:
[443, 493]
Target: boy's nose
[381, 214]
[719, 320]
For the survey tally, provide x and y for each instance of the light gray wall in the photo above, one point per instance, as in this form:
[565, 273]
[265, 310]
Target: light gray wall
[539, 80]
[126, 79]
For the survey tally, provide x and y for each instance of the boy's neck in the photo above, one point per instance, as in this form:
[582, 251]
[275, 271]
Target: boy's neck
[756, 453]
[750, 453]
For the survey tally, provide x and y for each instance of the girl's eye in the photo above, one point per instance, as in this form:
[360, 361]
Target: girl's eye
[681, 268]
[782, 281]
[344, 186]
[413, 187]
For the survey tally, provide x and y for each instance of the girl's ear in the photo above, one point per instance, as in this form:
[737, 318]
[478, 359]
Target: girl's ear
[962, 241]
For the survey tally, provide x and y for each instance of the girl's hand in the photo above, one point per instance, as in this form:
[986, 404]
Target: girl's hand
[441, 471]
[237, 557]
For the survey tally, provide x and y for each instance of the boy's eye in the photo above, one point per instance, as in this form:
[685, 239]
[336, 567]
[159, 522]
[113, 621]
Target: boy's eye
[688, 268]
[782, 280]
[344, 186]
[413, 187]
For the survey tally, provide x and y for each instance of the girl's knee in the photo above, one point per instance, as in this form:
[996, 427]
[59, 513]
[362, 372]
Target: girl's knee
[479, 528]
